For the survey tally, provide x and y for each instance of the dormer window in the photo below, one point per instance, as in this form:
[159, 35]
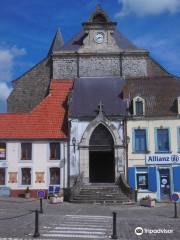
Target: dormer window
[178, 105]
[138, 106]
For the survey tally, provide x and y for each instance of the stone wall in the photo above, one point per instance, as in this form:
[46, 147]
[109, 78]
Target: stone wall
[30, 88]
[133, 66]
[99, 66]
[65, 68]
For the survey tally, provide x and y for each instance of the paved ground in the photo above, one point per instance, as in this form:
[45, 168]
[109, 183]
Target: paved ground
[81, 221]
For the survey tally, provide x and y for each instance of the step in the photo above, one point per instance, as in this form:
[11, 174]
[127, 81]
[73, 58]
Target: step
[103, 201]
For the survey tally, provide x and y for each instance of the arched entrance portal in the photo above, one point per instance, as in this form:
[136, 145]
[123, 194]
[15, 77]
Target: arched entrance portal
[101, 156]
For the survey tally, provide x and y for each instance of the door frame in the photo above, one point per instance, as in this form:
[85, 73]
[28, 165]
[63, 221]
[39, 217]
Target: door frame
[159, 183]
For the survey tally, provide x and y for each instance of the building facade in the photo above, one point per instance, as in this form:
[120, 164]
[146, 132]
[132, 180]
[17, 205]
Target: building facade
[74, 112]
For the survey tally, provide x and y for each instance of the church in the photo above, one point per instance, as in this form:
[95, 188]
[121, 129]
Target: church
[83, 115]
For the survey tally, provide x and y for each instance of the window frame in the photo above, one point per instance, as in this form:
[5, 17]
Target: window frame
[50, 157]
[137, 108]
[142, 171]
[49, 181]
[178, 139]
[156, 140]
[21, 155]
[5, 180]
[21, 175]
[4, 159]
[134, 141]
[138, 99]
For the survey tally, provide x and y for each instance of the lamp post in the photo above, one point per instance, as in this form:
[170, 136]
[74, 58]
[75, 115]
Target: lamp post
[74, 143]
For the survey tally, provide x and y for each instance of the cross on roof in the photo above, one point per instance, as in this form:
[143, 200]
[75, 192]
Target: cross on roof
[100, 107]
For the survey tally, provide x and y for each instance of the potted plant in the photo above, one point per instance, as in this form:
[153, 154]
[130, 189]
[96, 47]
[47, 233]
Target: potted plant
[56, 199]
[148, 201]
[27, 193]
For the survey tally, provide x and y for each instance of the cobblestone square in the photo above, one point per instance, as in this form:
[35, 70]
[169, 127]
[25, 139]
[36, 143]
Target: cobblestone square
[85, 221]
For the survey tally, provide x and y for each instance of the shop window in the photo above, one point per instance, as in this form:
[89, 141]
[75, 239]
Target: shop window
[54, 151]
[26, 151]
[2, 151]
[140, 141]
[138, 106]
[2, 176]
[142, 178]
[162, 138]
[26, 176]
[54, 176]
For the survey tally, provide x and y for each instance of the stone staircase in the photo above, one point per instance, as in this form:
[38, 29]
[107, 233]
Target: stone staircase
[101, 194]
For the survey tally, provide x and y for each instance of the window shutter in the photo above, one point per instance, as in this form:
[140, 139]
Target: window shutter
[176, 178]
[152, 179]
[132, 177]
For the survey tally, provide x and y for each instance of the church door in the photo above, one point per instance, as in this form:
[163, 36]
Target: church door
[101, 156]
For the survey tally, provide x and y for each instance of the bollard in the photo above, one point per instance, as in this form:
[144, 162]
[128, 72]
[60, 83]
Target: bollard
[41, 206]
[175, 210]
[114, 235]
[36, 232]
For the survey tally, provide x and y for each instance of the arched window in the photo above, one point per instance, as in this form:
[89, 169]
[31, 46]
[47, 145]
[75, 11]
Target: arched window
[138, 106]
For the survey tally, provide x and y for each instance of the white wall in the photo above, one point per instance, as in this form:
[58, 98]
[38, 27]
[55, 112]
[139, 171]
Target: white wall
[40, 163]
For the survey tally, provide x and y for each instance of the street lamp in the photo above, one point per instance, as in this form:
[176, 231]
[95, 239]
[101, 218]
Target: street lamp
[74, 143]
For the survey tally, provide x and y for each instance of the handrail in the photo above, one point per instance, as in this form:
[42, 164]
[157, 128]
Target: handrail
[126, 189]
[78, 183]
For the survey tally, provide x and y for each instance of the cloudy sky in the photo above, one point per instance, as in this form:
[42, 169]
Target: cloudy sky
[27, 29]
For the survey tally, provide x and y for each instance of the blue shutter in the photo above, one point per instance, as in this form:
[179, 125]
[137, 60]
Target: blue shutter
[152, 179]
[176, 178]
[132, 177]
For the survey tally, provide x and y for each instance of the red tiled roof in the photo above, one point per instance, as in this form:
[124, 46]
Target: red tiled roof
[46, 121]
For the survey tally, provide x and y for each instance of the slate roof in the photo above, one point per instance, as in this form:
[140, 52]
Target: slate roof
[46, 121]
[160, 94]
[89, 92]
[57, 42]
[76, 42]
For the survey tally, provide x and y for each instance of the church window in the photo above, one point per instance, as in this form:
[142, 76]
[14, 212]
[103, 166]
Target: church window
[2, 151]
[26, 151]
[54, 151]
[54, 176]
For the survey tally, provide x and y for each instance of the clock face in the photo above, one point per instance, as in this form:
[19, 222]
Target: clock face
[99, 38]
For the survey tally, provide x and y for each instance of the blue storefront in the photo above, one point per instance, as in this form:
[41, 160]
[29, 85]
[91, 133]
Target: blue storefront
[160, 176]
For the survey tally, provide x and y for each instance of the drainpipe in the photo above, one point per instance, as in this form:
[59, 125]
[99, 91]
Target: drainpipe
[126, 148]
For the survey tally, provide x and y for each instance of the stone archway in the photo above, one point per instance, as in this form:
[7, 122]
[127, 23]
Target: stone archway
[118, 150]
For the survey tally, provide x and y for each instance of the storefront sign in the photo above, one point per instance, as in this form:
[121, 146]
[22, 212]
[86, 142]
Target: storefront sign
[163, 159]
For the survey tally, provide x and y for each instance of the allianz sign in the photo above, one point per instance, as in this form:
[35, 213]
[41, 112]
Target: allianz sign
[163, 159]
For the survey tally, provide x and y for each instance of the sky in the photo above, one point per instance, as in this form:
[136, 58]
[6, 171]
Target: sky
[27, 28]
